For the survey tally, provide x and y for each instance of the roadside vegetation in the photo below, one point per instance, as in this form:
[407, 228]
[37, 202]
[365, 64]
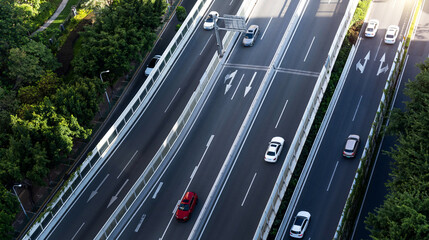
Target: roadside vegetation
[44, 111]
[405, 211]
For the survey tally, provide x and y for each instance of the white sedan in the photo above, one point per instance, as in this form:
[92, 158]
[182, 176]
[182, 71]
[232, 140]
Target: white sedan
[274, 149]
[391, 34]
[210, 20]
[300, 224]
[371, 28]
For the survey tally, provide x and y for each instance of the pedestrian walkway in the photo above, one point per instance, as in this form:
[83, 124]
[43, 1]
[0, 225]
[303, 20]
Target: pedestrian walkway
[53, 17]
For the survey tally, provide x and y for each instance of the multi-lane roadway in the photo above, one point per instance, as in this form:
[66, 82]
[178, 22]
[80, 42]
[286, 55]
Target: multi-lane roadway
[418, 52]
[329, 180]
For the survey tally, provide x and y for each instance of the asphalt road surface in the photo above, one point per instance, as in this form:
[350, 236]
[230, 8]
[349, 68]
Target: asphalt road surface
[418, 52]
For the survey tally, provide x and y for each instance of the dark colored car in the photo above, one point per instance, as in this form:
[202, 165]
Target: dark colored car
[186, 206]
[351, 146]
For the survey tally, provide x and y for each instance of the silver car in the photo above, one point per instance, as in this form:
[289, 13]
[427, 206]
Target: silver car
[251, 35]
[152, 64]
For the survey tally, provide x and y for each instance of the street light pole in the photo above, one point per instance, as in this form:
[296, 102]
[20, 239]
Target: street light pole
[107, 96]
[19, 185]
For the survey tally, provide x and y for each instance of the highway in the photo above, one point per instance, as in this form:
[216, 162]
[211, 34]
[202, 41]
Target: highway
[329, 180]
[197, 163]
[250, 183]
[94, 205]
[418, 52]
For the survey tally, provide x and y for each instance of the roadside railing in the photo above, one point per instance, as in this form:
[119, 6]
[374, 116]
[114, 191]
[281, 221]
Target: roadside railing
[303, 130]
[142, 186]
[97, 157]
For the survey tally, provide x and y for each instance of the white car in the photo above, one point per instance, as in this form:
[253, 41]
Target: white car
[209, 23]
[371, 28]
[300, 224]
[151, 64]
[274, 149]
[391, 34]
[251, 35]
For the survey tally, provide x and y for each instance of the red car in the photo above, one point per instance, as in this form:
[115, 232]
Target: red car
[186, 206]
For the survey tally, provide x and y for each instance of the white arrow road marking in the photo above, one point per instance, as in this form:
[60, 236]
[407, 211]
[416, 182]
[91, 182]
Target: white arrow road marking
[229, 76]
[384, 69]
[360, 66]
[116, 195]
[96, 190]
[250, 85]
[140, 223]
[157, 190]
[237, 86]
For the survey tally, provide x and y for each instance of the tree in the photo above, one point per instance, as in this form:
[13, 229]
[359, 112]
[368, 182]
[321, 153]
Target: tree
[405, 212]
[8, 106]
[29, 62]
[181, 13]
[79, 99]
[9, 207]
[402, 216]
[46, 86]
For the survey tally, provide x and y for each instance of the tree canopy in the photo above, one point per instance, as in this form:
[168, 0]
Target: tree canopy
[405, 212]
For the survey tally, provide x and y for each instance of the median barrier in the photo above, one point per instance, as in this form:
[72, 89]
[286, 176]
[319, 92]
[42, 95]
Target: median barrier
[72, 189]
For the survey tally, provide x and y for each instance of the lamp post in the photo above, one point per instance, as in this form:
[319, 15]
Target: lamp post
[19, 185]
[107, 96]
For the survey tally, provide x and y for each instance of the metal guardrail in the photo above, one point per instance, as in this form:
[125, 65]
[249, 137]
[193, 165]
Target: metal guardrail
[82, 176]
[298, 142]
[141, 188]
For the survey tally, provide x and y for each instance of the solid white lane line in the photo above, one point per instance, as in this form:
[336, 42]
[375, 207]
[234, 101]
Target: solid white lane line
[378, 49]
[242, 203]
[175, 207]
[327, 189]
[172, 100]
[281, 114]
[262, 37]
[357, 109]
[140, 223]
[231, 2]
[157, 190]
[193, 172]
[78, 231]
[210, 141]
[308, 51]
[237, 86]
[127, 164]
[205, 45]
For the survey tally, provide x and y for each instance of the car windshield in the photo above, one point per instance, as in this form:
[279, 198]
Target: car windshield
[248, 36]
[389, 36]
[295, 232]
[299, 221]
[209, 19]
[184, 207]
[152, 63]
[370, 29]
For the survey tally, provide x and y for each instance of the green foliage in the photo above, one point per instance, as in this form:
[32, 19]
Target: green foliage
[121, 34]
[181, 13]
[79, 99]
[8, 106]
[40, 138]
[47, 85]
[29, 62]
[405, 212]
[8, 209]
[178, 27]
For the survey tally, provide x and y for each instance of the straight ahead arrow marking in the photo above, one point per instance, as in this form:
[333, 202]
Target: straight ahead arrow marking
[116, 196]
[250, 85]
[96, 190]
